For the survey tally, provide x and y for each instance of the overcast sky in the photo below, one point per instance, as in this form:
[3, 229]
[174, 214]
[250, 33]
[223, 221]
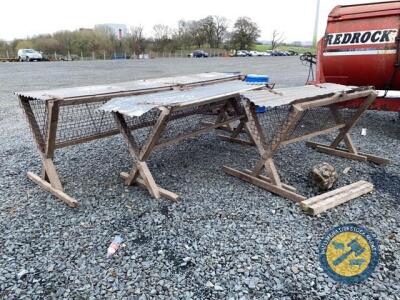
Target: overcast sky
[19, 19]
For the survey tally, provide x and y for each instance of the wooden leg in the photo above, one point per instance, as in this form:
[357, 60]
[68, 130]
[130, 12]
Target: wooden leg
[234, 135]
[140, 173]
[163, 192]
[351, 152]
[272, 182]
[370, 99]
[360, 156]
[49, 181]
[238, 130]
[56, 192]
[281, 191]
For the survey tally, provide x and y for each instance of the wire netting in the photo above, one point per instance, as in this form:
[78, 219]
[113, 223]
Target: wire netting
[81, 122]
[275, 120]
[189, 120]
[39, 110]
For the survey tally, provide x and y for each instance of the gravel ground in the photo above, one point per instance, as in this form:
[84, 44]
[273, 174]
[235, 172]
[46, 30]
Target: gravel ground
[224, 239]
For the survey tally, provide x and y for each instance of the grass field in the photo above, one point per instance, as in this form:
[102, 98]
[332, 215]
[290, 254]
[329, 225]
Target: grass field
[286, 48]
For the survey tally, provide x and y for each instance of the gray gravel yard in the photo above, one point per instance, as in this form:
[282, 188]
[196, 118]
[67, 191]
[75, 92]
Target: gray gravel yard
[224, 239]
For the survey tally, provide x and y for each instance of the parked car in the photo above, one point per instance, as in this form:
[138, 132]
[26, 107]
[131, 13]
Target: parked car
[255, 53]
[199, 53]
[241, 53]
[29, 55]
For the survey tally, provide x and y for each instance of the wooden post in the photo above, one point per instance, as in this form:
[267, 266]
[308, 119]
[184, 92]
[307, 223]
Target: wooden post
[50, 180]
[139, 156]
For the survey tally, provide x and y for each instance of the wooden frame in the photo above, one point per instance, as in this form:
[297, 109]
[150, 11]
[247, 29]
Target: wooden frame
[140, 173]
[46, 142]
[272, 182]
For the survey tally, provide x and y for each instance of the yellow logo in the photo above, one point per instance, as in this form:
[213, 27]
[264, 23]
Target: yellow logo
[349, 253]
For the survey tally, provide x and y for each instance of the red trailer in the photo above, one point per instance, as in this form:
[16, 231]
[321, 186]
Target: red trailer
[362, 47]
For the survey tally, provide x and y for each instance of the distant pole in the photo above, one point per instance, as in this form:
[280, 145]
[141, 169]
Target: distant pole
[7, 54]
[316, 24]
[104, 54]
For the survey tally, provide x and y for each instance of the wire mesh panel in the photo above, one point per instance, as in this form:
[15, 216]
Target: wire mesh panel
[39, 110]
[273, 121]
[320, 118]
[82, 120]
[188, 120]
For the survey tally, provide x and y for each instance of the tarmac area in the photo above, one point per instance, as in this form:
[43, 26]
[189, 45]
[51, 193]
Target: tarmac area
[224, 239]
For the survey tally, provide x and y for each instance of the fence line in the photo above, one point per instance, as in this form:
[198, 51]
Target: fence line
[107, 55]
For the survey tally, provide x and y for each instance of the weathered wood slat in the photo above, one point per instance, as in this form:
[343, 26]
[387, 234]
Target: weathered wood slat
[57, 193]
[338, 151]
[321, 203]
[264, 184]
[163, 192]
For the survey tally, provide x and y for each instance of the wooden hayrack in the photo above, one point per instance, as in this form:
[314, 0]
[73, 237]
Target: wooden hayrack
[302, 113]
[64, 117]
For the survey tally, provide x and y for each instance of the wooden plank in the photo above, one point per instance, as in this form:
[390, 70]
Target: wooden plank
[376, 159]
[265, 185]
[51, 131]
[273, 172]
[155, 134]
[148, 179]
[163, 192]
[52, 174]
[337, 191]
[57, 193]
[338, 152]
[254, 128]
[267, 179]
[347, 139]
[132, 177]
[235, 140]
[336, 197]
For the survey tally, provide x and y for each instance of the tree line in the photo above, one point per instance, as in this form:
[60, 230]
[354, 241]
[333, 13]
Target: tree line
[209, 32]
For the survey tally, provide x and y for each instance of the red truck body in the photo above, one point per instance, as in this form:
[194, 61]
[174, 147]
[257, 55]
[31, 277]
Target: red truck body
[361, 47]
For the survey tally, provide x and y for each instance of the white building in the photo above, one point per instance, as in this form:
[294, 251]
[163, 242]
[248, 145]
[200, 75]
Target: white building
[119, 30]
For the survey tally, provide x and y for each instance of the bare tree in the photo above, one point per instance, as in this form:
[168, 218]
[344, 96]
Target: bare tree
[161, 32]
[138, 39]
[277, 39]
[162, 36]
[221, 30]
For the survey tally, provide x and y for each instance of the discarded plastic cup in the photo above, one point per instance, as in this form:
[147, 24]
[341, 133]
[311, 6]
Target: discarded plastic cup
[364, 131]
[114, 246]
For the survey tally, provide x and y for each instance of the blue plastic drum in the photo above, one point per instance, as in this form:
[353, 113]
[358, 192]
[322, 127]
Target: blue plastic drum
[258, 79]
